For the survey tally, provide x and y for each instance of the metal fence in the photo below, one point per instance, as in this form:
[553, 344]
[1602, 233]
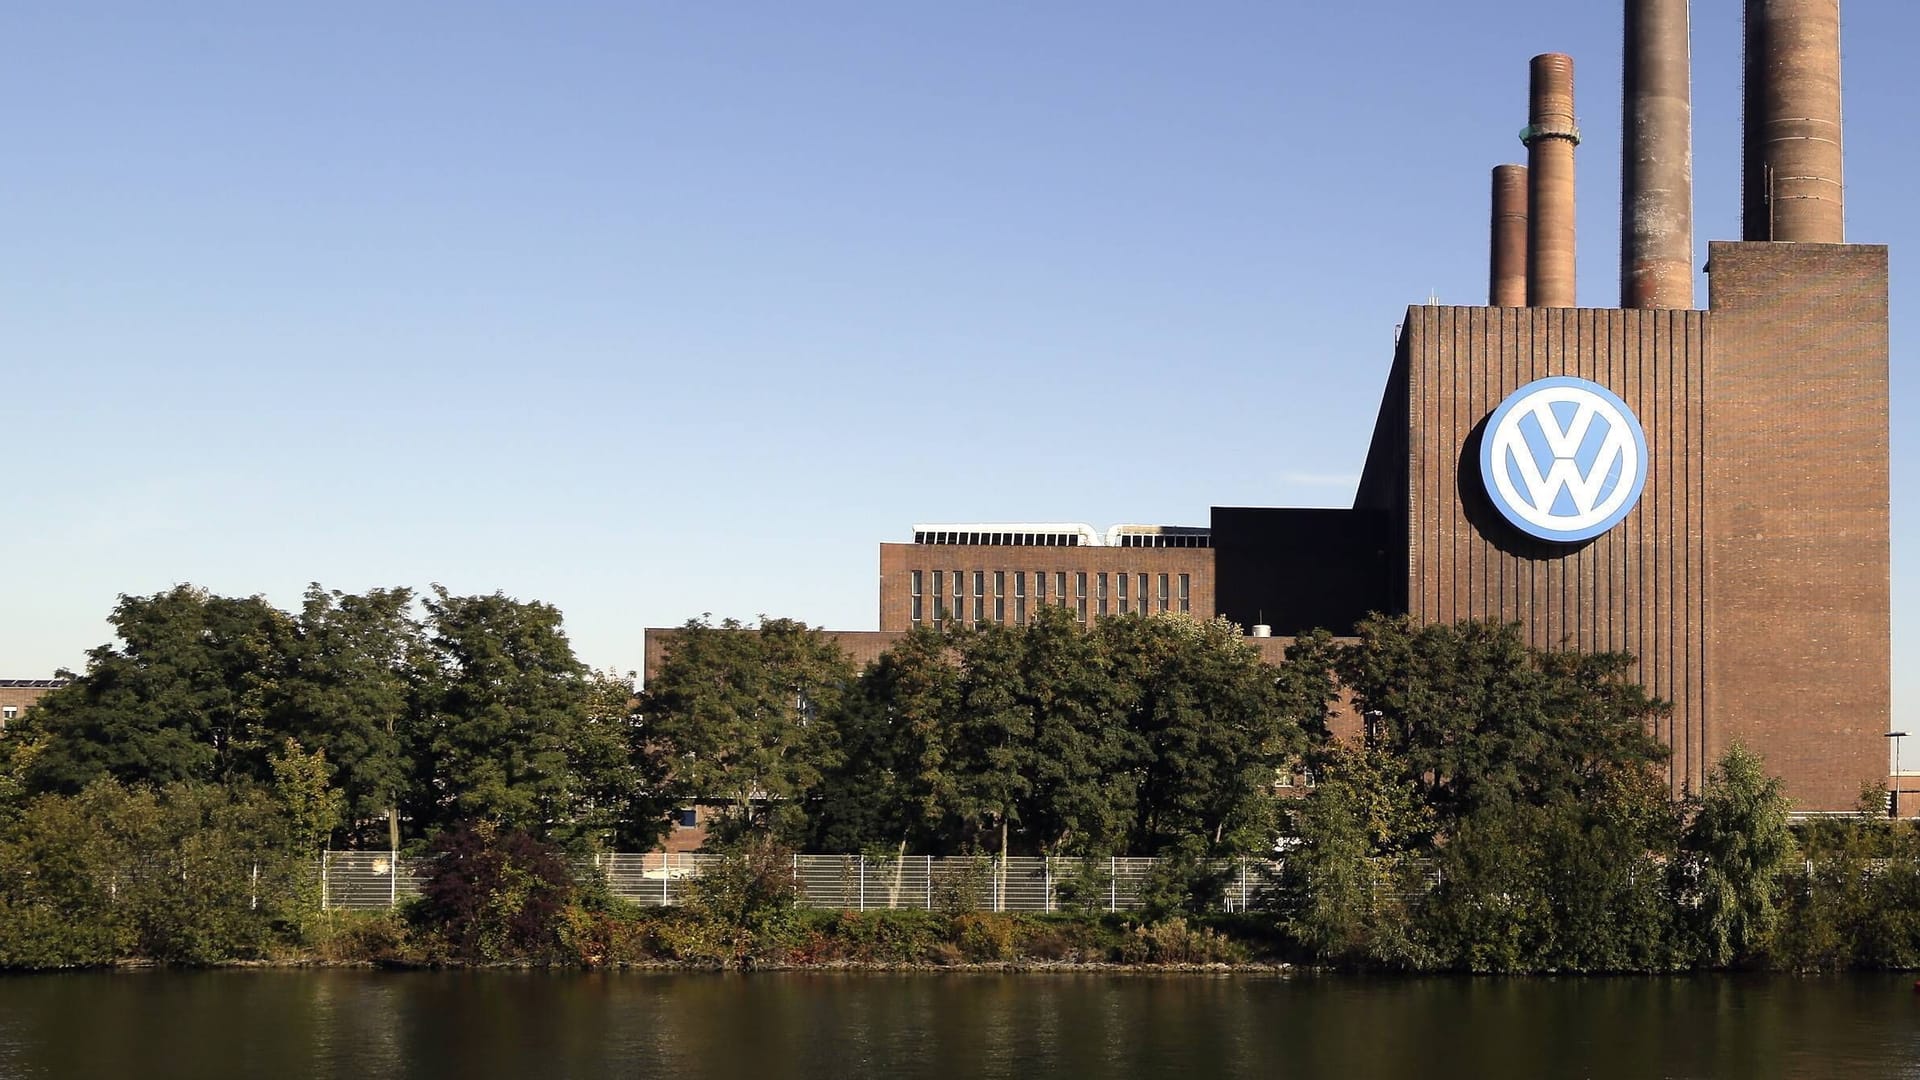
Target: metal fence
[375, 879]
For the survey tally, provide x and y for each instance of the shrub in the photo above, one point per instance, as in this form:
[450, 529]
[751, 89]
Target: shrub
[495, 896]
[746, 905]
[982, 937]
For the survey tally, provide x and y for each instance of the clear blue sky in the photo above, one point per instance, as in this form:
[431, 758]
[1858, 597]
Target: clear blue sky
[651, 309]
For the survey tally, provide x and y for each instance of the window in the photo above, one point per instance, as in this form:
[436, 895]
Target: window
[1100, 591]
[1143, 594]
[959, 596]
[1082, 604]
[999, 583]
[917, 615]
[1020, 610]
[686, 817]
[1123, 591]
[1163, 592]
[1040, 586]
[1080, 585]
[979, 609]
[918, 582]
[980, 582]
[1184, 609]
[939, 585]
[1060, 587]
[1000, 609]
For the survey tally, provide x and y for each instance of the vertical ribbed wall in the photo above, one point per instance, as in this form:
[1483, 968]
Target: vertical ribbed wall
[1637, 588]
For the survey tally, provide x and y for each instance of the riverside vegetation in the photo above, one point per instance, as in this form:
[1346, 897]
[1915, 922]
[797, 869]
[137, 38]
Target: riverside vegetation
[1506, 813]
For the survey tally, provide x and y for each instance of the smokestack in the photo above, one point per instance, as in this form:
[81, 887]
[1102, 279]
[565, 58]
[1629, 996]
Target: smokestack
[1550, 137]
[1792, 183]
[1656, 177]
[1508, 281]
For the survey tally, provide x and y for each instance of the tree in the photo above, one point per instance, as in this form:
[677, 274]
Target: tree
[505, 704]
[184, 697]
[741, 715]
[1086, 761]
[1216, 728]
[990, 771]
[891, 785]
[1479, 720]
[1736, 847]
[619, 794]
[358, 665]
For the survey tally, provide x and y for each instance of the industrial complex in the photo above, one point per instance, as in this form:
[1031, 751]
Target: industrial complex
[1705, 487]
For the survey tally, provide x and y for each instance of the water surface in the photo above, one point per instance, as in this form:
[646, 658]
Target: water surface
[480, 1025]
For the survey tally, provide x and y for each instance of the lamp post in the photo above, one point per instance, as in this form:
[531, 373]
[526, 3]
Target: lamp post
[1894, 810]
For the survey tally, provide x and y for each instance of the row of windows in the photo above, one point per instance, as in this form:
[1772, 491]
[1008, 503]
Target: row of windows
[1166, 540]
[1026, 539]
[948, 598]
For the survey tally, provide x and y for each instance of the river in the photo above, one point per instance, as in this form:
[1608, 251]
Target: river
[480, 1025]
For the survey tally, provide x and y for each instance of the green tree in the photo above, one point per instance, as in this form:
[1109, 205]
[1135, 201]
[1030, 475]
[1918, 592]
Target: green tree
[358, 665]
[1087, 763]
[1351, 874]
[505, 703]
[741, 715]
[183, 697]
[990, 774]
[619, 794]
[891, 786]
[1480, 720]
[1216, 729]
[308, 805]
[1736, 846]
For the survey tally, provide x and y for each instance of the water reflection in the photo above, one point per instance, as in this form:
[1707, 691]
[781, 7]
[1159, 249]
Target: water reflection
[512, 1024]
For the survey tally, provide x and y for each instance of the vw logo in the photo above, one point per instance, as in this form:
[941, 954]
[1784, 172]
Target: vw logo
[1563, 459]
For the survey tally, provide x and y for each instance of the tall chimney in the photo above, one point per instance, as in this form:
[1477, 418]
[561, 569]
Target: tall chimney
[1550, 137]
[1792, 172]
[1656, 177]
[1507, 286]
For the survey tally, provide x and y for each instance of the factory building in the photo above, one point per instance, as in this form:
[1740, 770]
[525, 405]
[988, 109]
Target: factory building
[1703, 487]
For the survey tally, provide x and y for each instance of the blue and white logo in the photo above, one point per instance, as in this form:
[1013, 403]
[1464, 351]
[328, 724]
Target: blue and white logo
[1563, 459]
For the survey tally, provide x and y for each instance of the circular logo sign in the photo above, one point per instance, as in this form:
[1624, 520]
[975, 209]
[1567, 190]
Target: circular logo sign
[1563, 459]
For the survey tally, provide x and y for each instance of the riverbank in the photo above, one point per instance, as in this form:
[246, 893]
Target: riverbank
[795, 939]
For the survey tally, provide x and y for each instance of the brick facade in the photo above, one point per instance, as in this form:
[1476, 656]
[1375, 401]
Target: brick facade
[1799, 634]
[1751, 579]
[1009, 574]
[1638, 587]
[18, 695]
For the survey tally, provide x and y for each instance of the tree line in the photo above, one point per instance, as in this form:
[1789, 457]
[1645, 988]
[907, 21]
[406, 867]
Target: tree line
[1506, 810]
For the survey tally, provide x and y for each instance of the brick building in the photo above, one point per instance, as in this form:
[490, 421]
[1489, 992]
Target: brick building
[1706, 489]
[19, 695]
[965, 575]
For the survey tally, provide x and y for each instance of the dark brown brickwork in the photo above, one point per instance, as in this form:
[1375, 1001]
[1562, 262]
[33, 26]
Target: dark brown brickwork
[1636, 588]
[899, 561]
[1797, 551]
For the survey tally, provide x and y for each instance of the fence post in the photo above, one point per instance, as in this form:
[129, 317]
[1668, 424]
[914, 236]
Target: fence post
[1000, 883]
[326, 857]
[253, 890]
[1046, 883]
[1113, 884]
[1243, 887]
[393, 878]
[863, 882]
[666, 876]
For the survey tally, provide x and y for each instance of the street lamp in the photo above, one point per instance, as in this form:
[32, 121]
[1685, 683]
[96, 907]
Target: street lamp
[1894, 810]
